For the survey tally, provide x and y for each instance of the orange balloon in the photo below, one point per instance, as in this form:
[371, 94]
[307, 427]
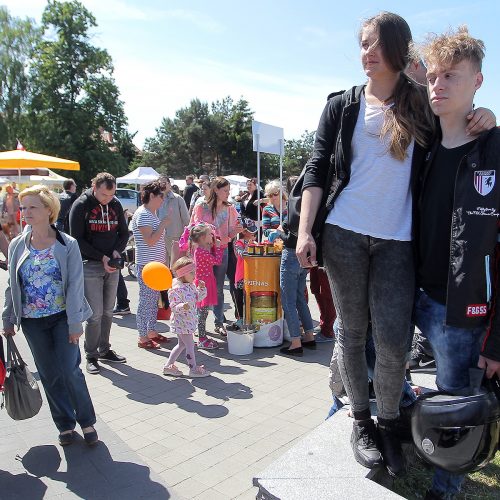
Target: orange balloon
[157, 276]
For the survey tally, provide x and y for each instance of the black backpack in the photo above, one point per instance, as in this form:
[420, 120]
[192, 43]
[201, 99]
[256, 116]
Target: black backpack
[329, 195]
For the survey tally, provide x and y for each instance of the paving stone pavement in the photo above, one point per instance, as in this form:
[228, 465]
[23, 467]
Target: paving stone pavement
[162, 437]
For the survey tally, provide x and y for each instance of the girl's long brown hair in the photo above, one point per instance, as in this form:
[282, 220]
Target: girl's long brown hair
[217, 183]
[410, 116]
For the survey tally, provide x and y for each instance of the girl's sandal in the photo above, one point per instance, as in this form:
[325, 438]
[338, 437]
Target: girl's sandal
[159, 338]
[150, 344]
[220, 330]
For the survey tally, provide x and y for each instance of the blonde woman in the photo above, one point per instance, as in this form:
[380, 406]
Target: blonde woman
[45, 296]
[271, 212]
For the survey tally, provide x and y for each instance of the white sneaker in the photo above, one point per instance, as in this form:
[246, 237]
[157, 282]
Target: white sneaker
[172, 370]
[199, 372]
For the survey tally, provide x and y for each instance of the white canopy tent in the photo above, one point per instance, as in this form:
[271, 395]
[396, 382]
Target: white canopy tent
[238, 183]
[141, 175]
[51, 179]
[180, 183]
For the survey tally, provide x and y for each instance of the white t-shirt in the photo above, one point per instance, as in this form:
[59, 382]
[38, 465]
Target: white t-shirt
[377, 200]
[145, 253]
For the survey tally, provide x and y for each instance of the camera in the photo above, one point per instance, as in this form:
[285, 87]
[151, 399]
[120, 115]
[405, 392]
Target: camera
[116, 263]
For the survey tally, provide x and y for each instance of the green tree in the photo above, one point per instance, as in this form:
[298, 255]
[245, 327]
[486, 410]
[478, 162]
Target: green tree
[17, 41]
[232, 129]
[182, 144]
[297, 152]
[75, 97]
[203, 139]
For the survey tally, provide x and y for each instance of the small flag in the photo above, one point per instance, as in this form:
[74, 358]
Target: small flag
[20, 147]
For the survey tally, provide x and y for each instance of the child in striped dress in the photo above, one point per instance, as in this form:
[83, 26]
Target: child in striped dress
[183, 297]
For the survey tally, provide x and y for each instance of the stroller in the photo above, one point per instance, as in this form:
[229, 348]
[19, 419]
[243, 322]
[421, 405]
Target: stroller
[129, 256]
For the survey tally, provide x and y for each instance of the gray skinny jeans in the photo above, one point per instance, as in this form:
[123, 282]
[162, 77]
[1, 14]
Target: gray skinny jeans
[100, 292]
[371, 275]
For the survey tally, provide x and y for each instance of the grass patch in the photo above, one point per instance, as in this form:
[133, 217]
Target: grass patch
[483, 485]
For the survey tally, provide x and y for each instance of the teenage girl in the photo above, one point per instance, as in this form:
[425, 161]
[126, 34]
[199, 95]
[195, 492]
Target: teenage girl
[207, 254]
[183, 297]
[218, 211]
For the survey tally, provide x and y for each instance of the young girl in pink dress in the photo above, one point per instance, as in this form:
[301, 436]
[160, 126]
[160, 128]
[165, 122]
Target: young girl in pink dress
[183, 297]
[207, 254]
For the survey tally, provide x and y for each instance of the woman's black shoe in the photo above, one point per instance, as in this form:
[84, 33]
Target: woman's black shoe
[91, 438]
[310, 344]
[297, 351]
[67, 438]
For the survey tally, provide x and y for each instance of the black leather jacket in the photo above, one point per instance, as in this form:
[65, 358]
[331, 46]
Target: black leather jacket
[472, 290]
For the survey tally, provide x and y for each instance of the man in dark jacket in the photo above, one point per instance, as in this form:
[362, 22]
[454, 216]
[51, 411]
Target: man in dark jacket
[97, 222]
[67, 197]
[458, 211]
[189, 190]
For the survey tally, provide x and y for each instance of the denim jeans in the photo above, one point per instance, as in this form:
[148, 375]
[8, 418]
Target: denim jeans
[100, 292]
[58, 364]
[122, 301]
[293, 300]
[371, 276]
[455, 351]
[220, 276]
[408, 397]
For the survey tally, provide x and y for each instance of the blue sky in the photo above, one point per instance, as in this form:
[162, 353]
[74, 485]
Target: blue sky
[284, 57]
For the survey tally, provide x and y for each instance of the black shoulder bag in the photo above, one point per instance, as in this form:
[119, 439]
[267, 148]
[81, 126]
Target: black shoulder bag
[329, 192]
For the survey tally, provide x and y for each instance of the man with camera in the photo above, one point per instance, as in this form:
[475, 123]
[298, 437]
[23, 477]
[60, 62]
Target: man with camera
[97, 222]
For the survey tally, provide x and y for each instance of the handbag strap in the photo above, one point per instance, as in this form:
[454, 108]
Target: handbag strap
[14, 358]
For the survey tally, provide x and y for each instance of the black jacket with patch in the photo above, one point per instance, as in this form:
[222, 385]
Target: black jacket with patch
[473, 274]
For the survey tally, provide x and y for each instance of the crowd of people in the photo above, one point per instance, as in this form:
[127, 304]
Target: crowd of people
[403, 178]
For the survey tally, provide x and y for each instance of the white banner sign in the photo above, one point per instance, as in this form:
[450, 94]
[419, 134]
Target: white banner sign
[270, 139]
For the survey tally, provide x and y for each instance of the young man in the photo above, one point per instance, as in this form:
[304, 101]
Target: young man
[189, 190]
[97, 222]
[175, 208]
[459, 205]
[67, 198]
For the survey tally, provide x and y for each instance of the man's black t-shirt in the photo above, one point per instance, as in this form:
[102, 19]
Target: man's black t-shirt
[435, 221]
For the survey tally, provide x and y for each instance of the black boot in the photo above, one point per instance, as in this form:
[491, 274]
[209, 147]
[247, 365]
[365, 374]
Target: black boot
[390, 446]
[402, 425]
[432, 495]
[364, 443]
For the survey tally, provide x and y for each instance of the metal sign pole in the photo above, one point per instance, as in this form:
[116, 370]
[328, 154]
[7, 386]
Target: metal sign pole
[258, 187]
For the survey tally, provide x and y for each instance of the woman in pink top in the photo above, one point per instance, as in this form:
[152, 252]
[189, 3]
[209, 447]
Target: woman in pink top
[216, 210]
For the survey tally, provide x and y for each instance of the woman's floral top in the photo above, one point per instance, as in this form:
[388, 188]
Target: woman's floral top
[42, 286]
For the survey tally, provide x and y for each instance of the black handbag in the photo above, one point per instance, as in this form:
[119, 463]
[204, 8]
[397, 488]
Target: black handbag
[329, 192]
[22, 396]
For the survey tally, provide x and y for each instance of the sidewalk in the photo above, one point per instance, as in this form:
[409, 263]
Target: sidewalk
[163, 437]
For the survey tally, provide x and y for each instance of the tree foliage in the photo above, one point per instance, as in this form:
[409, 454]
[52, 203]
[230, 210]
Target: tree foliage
[297, 152]
[75, 97]
[17, 42]
[58, 94]
[215, 139]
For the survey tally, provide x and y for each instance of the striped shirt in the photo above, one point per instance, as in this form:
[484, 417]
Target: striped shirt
[144, 252]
